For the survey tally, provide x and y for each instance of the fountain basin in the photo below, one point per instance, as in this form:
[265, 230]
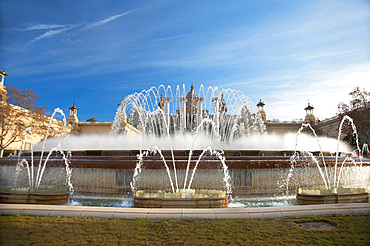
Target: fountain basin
[193, 199]
[44, 195]
[321, 195]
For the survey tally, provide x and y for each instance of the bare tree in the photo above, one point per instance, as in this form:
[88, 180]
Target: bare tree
[19, 112]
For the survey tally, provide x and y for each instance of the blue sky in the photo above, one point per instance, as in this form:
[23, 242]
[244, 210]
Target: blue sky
[97, 52]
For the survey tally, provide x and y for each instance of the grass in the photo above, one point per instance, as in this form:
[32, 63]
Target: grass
[28, 230]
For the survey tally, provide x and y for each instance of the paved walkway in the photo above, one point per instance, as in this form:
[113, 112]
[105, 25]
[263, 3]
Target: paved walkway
[342, 209]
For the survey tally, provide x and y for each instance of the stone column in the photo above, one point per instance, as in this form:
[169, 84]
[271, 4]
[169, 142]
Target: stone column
[166, 110]
[2, 75]
[199, 110]
[216, 113]
[123, 118]
[124, 115]
[182, 113]
[3, 92]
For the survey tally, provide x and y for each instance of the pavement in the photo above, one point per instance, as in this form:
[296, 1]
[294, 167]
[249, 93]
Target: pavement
[322, 210]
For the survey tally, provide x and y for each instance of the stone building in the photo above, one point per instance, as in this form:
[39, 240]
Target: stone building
[96, 127]
[189, 115]
[73, 126]
[310, 117]
[19, 123]
[187, 118]
[327, 128]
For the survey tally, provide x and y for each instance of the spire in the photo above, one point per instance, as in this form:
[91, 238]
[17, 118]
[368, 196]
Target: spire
[72, 118]
[309, 107]
[261, 111]
[223, 108]
[2, 74]
[73, 109]
[192, 94]
[260, 104]
[310, 118]
[161, 102]
[3, 92]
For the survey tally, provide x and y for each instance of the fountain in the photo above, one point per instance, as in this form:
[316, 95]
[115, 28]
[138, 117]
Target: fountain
[331, 191]
[205, 114]
[205, 149]
[34, 192]
[186, 197]
[151, 113]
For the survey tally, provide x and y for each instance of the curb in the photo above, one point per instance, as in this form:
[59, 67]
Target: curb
[322, 210]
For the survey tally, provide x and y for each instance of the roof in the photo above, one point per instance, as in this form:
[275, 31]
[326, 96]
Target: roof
[73, 107]
[3, 73]
[260, 104]
[192, 93]
[309, 107]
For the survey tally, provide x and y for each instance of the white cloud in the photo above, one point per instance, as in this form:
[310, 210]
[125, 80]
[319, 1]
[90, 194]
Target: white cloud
[169, 38]
[44, 27]
[107, 20]
[38, 27]
[294, 37]
[324, 90]
[50, 34]
[55, 29]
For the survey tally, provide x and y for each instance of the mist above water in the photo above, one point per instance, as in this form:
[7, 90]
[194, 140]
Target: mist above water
[189, 141]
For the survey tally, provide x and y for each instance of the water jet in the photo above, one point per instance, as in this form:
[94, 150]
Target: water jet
[331, 191]
[193, 142]
[34, 192]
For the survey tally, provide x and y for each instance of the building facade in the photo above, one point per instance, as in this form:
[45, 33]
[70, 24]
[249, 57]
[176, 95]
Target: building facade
[21, 127]
[185, 119]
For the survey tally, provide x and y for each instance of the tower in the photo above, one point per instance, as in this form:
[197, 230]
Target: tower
[164, 104]
[72, 117]
[261, 111]
[3, 92]
[310, 118]
[192, 99]
[223, 108]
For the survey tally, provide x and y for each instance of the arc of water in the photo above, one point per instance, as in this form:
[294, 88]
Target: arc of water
[170, 142]
[20, 165]
[290, 172]
[55, 149]
[57, 110]
[226, 178]
[148, 101]
[326, 180]
[234, 128]
[23, 161]
[346, 117]
[32, 162]
[38, 179]
[190, 155]
[157, 150]
[137, 170]
[188, 164]
[68, 170]
[312, 157]
[34, 182]
[198, 129]
[174, 167]
[365, 149]
[151, 117]
[321, 153]
[208, 149]
[340, 170]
